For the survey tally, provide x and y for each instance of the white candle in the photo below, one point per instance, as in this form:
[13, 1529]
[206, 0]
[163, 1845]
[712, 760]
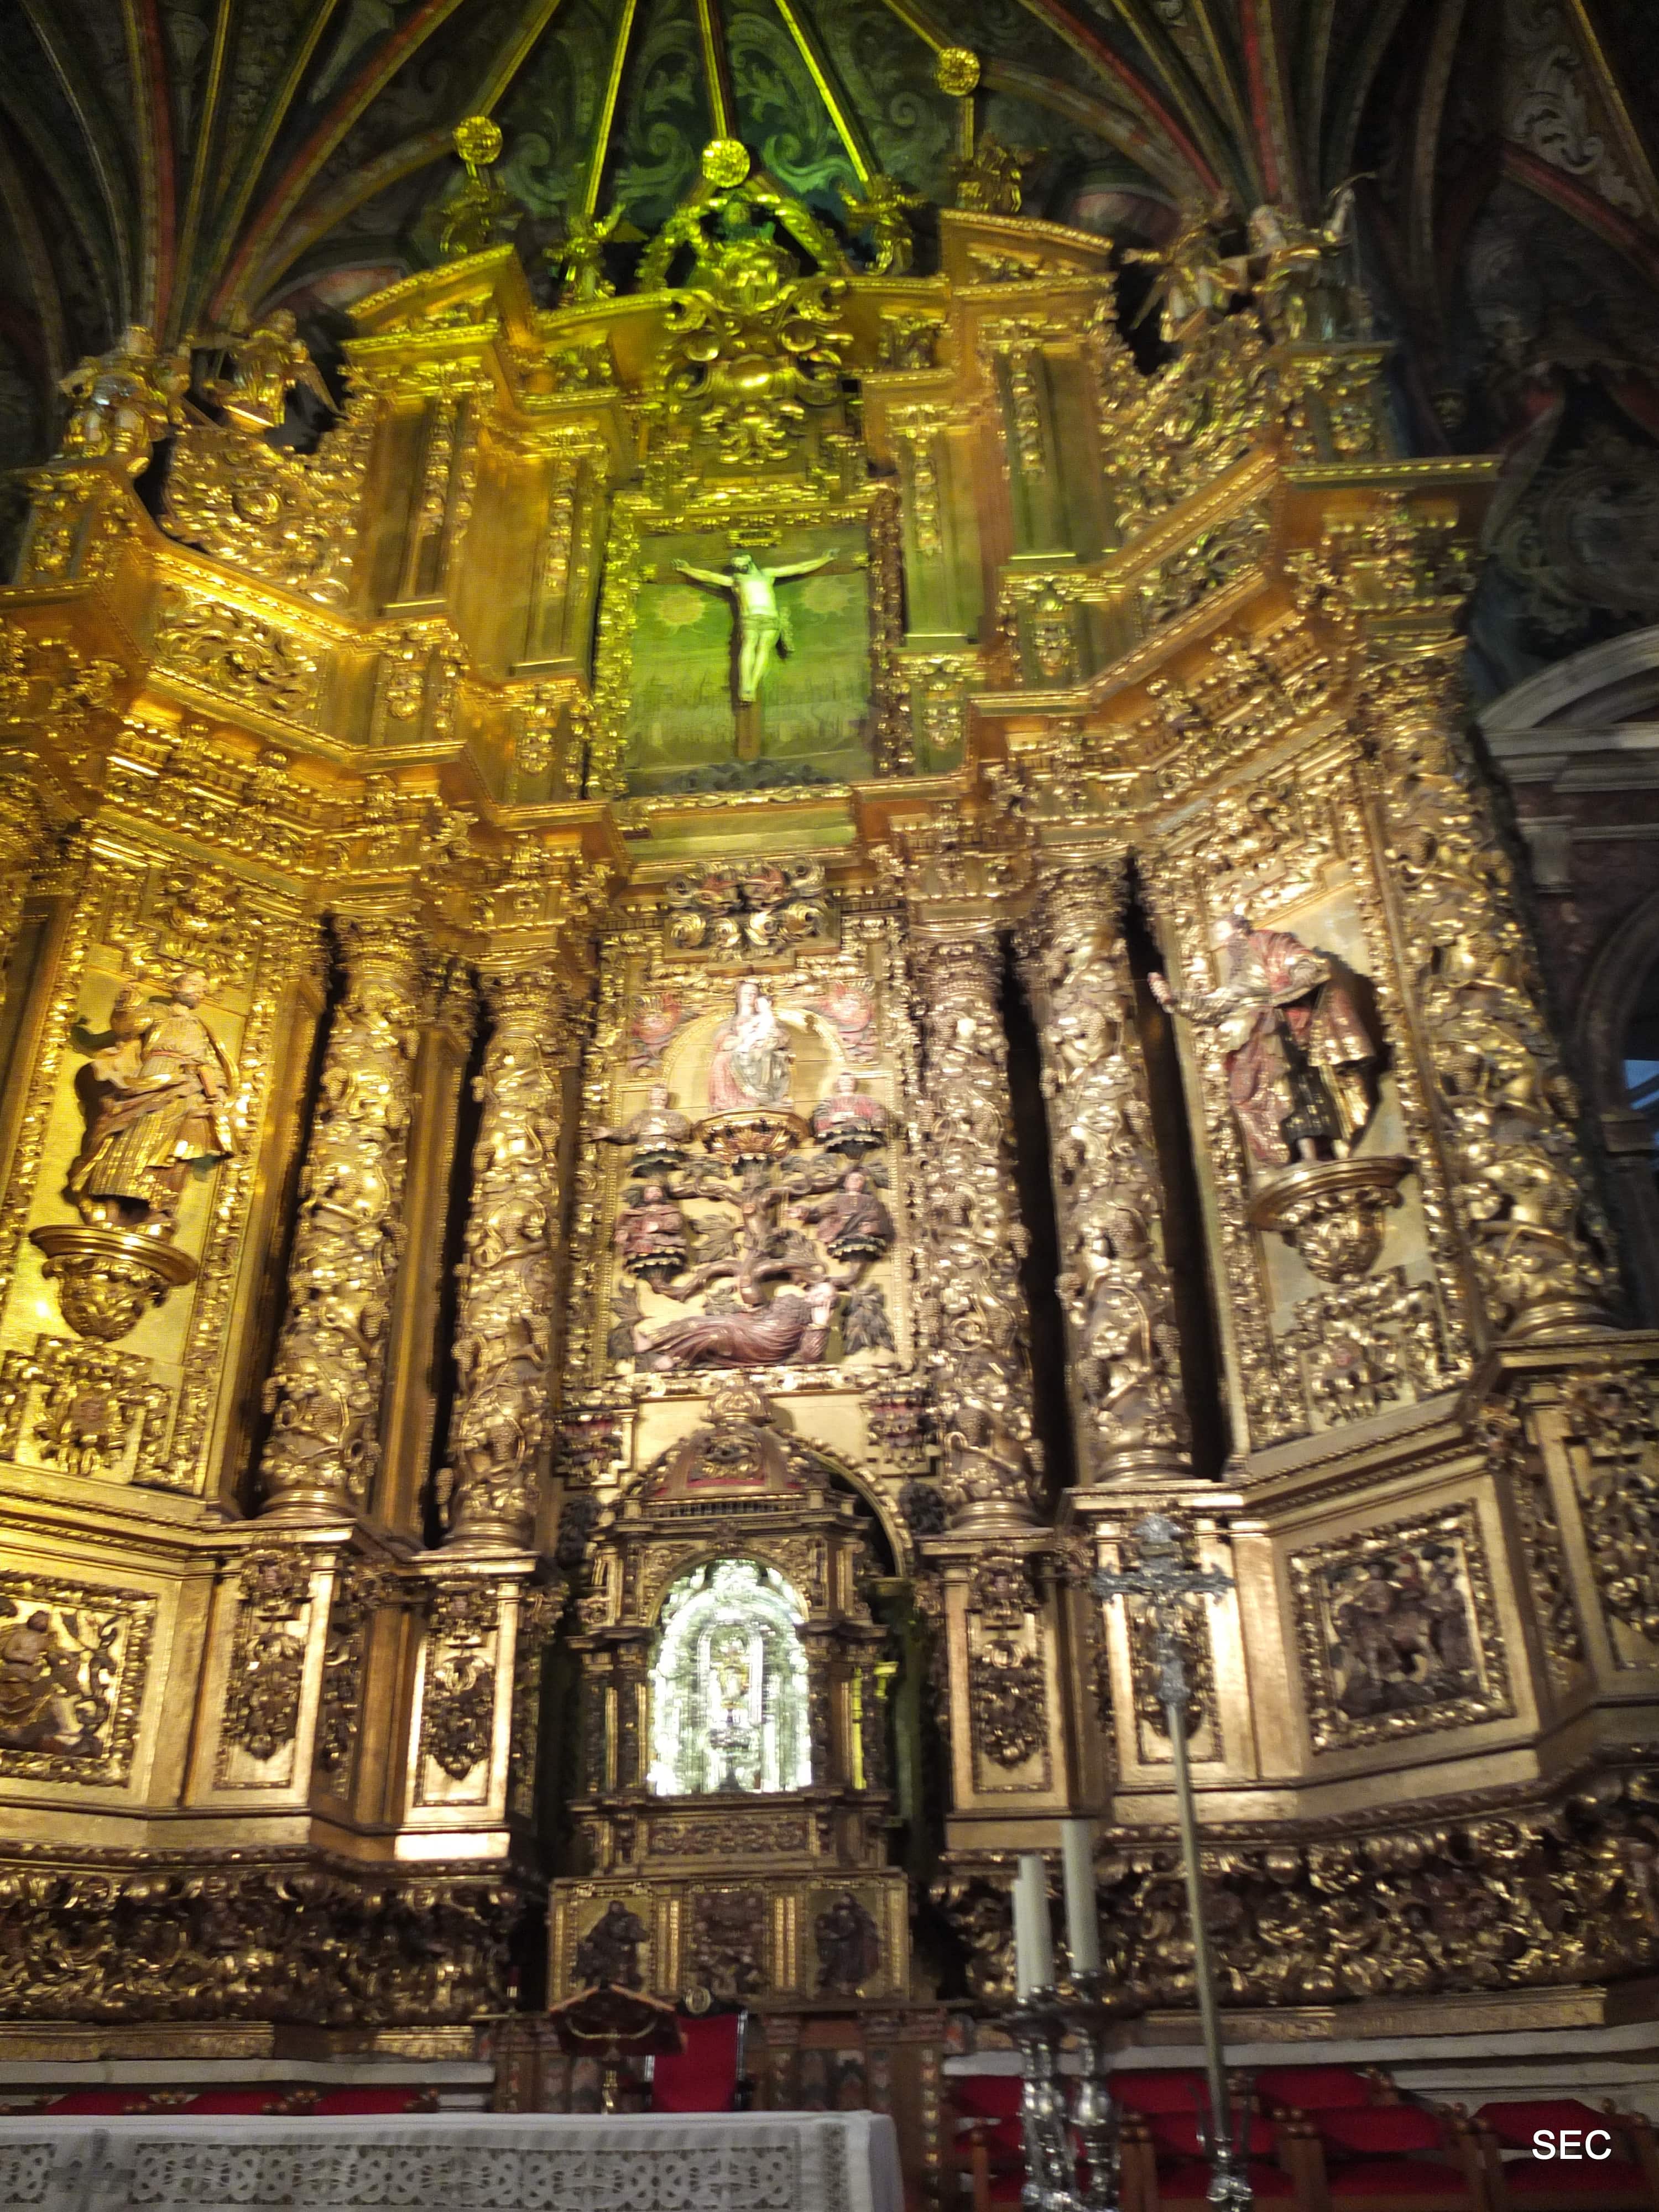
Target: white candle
[1034, 1947]
[1077, 1848]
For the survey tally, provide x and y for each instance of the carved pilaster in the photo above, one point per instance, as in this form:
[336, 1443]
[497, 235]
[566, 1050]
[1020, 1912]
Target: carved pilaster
[501, 1425]
[981, 1383]
[1114, 1283]
[324, 1390]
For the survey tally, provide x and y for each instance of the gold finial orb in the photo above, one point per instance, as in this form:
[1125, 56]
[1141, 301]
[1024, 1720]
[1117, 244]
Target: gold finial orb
[478, 140]
[956, 71]
[725, 162]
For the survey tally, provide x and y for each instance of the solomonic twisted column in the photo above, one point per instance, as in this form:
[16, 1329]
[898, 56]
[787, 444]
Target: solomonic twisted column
[498, 1432]
[1114, 1283]
[22, 840]
[324, 1390]
[981, 1383]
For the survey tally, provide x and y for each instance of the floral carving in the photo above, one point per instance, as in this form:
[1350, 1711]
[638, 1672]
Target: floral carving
[225, 649]
[459, 1719]
[85, 1409]
[268, 1659]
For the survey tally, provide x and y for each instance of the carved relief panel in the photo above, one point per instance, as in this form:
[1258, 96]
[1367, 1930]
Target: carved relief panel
[743, 1192]
[74, 1665]
[1397, 1632]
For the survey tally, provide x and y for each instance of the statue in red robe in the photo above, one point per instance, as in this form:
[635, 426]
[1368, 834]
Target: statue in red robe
[1301, 1063]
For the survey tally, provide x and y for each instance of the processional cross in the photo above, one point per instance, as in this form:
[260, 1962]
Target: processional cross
[1162, 1590]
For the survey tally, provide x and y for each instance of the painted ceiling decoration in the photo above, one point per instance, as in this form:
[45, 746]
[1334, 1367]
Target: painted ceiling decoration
[166, 161]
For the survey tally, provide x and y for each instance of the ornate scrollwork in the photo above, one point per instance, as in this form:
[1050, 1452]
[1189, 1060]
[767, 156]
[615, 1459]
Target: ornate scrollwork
[159, 1938]
[1529, 1899]
[1611, 1416]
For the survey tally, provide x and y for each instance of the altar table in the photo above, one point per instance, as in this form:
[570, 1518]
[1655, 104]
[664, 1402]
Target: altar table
[459, 2162]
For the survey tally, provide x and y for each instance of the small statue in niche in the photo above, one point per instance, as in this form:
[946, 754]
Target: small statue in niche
[848, 1947]
[853, 1224]
[659, 1134]
[157, 1100]
[844, 1120]
[752, 1059]
[650, 1235]
[609, 1952]
[1301, 1064]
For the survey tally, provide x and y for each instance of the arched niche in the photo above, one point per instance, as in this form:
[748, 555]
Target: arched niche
[729, 1689]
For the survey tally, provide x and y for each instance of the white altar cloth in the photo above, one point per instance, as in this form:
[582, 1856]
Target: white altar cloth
[458, 2162]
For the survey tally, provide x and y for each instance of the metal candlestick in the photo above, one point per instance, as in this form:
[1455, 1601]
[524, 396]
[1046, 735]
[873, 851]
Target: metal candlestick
[1040, 2027]
[1162, 1589]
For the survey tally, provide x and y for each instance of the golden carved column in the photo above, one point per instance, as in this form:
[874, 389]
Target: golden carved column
[1113, 1282]
[1539, 1245]
[499, 1429]
[322, 1455]
[982, 1384]
[23, 841]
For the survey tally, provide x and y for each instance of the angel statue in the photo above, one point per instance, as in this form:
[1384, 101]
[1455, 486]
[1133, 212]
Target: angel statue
[1197, 282]
[760, 629]
[580, 257]
[257, 367]
[881, 212]
[1305, 280]
[125, 400]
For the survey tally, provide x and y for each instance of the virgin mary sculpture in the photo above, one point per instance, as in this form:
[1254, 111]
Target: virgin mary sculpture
[752, 1061]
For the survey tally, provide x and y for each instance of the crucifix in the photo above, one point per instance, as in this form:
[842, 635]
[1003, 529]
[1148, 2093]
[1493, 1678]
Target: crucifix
[760, 630]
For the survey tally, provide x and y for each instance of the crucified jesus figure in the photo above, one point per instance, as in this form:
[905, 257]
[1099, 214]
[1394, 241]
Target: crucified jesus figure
[760, 621]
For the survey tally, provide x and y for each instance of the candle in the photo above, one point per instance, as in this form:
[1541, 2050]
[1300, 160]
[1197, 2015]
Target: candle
[1034, 1947]
[1077, 1848]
